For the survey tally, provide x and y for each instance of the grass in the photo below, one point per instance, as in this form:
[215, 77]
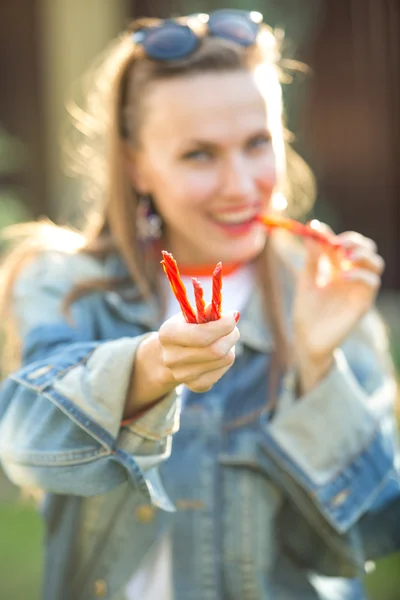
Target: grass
[384, 582]
[21, 558]
[396, 355]
[20, 552]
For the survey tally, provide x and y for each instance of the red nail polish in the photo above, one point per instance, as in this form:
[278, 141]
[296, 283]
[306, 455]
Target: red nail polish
[236, 314]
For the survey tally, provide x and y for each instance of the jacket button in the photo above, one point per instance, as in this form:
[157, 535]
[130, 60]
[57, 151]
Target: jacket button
[340, 498]
[100, 588]
[145, 513]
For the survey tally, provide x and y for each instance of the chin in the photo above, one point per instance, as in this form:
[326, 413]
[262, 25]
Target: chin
[239, 252]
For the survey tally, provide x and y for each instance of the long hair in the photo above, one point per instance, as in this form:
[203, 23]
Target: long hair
[109, 120]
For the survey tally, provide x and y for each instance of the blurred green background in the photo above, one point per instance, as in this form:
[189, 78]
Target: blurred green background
[345, 117]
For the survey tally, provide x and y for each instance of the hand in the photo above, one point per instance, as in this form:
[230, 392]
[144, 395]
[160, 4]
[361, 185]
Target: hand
[198, 355]
[326, 311]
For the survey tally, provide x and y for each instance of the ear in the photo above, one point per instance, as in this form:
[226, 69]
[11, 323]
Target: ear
[134, 169]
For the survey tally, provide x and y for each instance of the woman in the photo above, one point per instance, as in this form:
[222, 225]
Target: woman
[173, 469]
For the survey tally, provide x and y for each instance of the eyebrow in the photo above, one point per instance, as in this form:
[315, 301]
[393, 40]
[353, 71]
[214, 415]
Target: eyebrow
[201, 143]
[212, 145]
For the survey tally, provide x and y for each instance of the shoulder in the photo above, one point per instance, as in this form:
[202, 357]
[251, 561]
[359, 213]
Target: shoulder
[41, 286]
[57, 271]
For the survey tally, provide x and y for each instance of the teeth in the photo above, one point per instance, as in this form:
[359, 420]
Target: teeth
[235, 218]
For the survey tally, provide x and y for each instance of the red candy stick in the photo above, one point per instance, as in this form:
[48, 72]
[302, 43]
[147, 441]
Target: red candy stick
[200, 304]
[172, 272]
[211, 312]
[216, 302]
[274, 222]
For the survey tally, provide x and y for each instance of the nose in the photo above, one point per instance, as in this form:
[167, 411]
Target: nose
[238, 182]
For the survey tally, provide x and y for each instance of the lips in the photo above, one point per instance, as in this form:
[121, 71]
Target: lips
[235, 229]
[236, 217]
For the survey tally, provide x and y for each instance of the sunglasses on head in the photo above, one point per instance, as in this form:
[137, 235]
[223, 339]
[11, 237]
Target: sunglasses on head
[172, 40]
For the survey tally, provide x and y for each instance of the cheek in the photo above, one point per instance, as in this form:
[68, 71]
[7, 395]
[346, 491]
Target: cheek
[199, 186]
[190, 188]
[175, 197]
[267, 172]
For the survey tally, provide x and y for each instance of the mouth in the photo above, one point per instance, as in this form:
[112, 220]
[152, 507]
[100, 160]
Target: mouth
[236, 222]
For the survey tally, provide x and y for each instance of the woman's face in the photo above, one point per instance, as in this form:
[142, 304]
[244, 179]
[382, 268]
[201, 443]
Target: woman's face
[207, 159]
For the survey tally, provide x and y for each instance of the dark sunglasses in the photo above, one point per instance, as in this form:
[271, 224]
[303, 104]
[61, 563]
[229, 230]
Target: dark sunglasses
[172, 40]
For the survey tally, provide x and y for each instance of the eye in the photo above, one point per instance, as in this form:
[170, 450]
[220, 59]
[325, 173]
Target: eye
[259, 141]
[198, 155]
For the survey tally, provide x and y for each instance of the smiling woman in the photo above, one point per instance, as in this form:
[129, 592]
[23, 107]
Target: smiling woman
[211, 163]
[260, 434]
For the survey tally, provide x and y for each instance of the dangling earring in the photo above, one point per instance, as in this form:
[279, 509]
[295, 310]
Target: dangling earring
[148, 222]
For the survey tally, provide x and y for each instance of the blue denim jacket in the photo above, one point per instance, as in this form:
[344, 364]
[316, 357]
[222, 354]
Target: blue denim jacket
[259, 506]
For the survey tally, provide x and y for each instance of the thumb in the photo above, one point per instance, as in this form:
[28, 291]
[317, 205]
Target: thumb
[330, 253]
[313, 255]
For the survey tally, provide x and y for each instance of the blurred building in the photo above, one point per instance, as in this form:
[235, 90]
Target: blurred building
[348, 124]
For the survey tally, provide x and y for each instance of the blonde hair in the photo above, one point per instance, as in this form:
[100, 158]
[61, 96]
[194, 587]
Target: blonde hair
[111, 118]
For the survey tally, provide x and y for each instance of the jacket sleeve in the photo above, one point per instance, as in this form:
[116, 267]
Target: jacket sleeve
[60, 414]
[338, 442]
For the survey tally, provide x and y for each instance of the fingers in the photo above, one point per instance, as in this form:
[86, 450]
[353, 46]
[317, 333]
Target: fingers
[205, 382]
[367, 259]
[366, 266]
[361, 253]
[315, 250]
[177, 332]
[348, 239]
[200, 355]
[353, 239]
[320, 226]
[203, 374]
[363, 276]
[197, 355]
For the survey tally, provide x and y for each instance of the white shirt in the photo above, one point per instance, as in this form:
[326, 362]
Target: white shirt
[153, 581]
[236, 288]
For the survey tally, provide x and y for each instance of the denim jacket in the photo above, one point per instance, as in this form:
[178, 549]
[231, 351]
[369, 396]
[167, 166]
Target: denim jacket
[259, 506]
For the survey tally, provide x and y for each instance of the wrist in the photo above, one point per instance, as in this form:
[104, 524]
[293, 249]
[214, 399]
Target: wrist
[158, 373]
[151, 379]
[311, 371]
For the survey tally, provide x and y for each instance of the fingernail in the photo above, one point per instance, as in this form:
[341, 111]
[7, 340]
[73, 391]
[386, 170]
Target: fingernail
[236, 315]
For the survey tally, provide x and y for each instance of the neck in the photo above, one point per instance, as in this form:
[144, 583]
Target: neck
[194, 269]
[206, 270]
